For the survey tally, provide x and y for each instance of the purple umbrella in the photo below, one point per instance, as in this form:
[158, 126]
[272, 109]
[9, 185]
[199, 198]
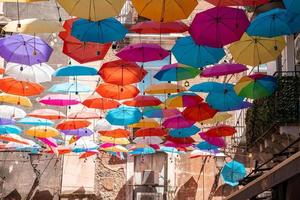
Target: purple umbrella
[78, 132]
[177, 122]
[25, 49]
[219, 26]
[223, 69]
[217, 141]
[142, 53]
[5, 121]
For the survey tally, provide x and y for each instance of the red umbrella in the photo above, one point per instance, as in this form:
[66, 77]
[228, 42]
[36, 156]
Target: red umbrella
[122, 72]
[222, 3]
[142, 101]
[199, 113]
[73, 124]
[100, 103]
[152, 27]
[117, 133]
[118, 92]
[221, 131]
[145, 132]
[186, 140]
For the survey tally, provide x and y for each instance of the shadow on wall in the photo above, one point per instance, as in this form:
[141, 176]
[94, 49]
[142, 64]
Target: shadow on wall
[13, 195]
[188, 190]
[122, 193]
[45, 195]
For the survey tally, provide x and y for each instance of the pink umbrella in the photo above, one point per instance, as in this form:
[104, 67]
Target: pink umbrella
[223, 69]
[219, 26]
[88, 114]
[177, 122]
[176, 145]
[49, 141]
[59, 100]
[217, 141]
[142, 52]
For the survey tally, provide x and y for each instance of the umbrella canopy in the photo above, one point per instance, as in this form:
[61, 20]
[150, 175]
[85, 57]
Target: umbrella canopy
[59, 100]
[159, 112]
[219, 117]
[118, 92]
[205, 146]
[219, 26]
[232, 172]
[124, 116]
[23, 88]
[187, 52]
[116, 133]
[73, 124]
[35, 121]
[148, 140]
[10, 112]
[83, 145]
[176, 72]
[221, 131]
[88, 154]
[10, 129]
[51, 142]
[186, 141]
[142, 52]
[38, 73]
[97, 102]
[42, 132]
[151, 132]
[292, 6]
[75, 70]
[15, 99]
[142, 101]
[221, 3]
[25, 49]
[69, 87]
[145, 123]
[47, 114]
[104, 125]
[142, 151]
[85, 114]
[200, 112]
[177, 122]
[184, 132]
[90, 9]
[209, 86]
[104, 31]
[164, 88]
[114, 148]
[13, 138]
[113, 140]
[217, 141]
[223, 69]
[200, 153]
[124, 72]
[78, 132]
[183, 99]
[270, 24]
[165, 11]
[152, 27]
[5, 121]
[33, 26]
[255, 51]
[171, 150]
[227, 100]
[256, 86]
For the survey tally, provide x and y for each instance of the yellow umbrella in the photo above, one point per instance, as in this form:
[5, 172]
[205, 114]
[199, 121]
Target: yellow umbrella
[33, 26]
[165, 10]
[15, 99]
[255, 51]
[164, 88]
[145, 123]
[94, 10]
[219, 117]
[114, 140]
[117, 148]
[42, 131]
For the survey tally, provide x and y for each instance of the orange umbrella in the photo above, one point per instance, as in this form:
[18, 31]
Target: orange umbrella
[88, 114]
[164, 88]
[2, 71]
[221, 131]
[23, 88]
[142, 101]
[199, 113]
[100, 103]
[13, 138]
[117, 133]
[88, 154]
[145, 123]
[118, 92]
[47, 114]
[73, 124]
[143, 132]
[122, 72]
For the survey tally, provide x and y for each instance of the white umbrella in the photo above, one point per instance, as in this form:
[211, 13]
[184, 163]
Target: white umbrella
[148, 140]
[11, 112]
[38, 73]
[104, 125]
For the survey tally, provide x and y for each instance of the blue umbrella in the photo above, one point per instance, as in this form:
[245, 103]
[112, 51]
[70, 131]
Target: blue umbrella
[233, 172]
[184, 132]
[35, 121]
[292, 6]
[124, 115]
[5, 121]
[294, 22]
[189, 53]
[10, 129]
[142, 151]
[270, 24]
[211, 87]
[170, 150]
[104, 31]
[69, 88]
[205, 146]
[76, 70]
[226, 100]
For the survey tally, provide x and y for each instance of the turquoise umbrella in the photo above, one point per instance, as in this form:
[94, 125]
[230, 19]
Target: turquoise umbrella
[205, 146]
[184, 132]
[76, 70]
[10, 129]
[142, 151]
[69, 88]
[233, 172]
[292, 6]
[225, 100]
[35, 121]
[208, 87]
[124, 115]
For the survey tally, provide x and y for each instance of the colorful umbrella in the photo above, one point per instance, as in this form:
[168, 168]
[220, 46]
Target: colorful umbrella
[33, 121]
[293, 22]
[38, 73]
[152, 27]
[116, 133]
[292, 6]
[142, 52]
[184, 132]
[171, 150]
[227, 100]
[159, 112]
[219, 117]
[59, 100]
[177, 122]
[165, 11]
[124, 72]
[233, 172]
[148, 140]
[42, 132]
[151, 132]
[104, 31]
[104, 125]
[72, 124]
[164, 88]
[145, 123]
[14, 99]
[47, 114]
[97, 102]
[221, 131]
[22, 88]
[142, 151]
[76, 70]
[51, 142]
[83, 145]
[183, 99]
[186, 141]
[118, 92]
[123, 116]
[205, 146]
[88, 154]
[113, 140]
[85, 114]
[256, 86]
[13, 138]
[78, 132]
[25, 49]
[219, 26]
[222, 3]
[142, 101]
[69, 87]
[255, 51]
[200, 112]
[200, 153]
[209, 87]
[5, 121]
[90, 9]
[223, 69]
[217, 141]
[11, 112]
[10, 129]
[176, 72]
[187, 52]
